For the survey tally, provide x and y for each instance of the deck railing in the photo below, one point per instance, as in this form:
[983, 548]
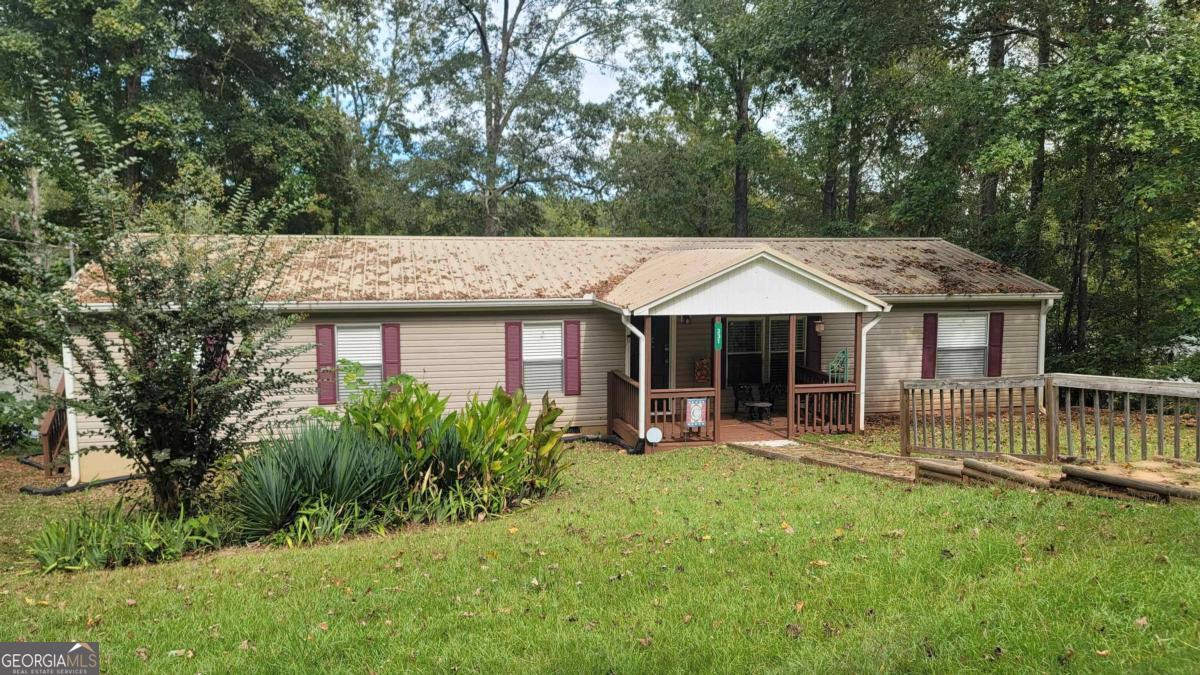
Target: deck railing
[1124, 419]
[826, 408]
[972, 417]
[622, 406]
[53, 430]
[669, 412]
[1088, 417]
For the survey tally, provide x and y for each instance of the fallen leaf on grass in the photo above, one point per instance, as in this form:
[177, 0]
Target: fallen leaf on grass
[799, 606]
[687, 618]
[187, 653]
[247, 647]
[1102, 652]
[894, 534]
[512, 530]
[645, 642]
[794, 630]
[130, 602]
[819, 563]
[142, 653]
[323, 625]
[1142, 622]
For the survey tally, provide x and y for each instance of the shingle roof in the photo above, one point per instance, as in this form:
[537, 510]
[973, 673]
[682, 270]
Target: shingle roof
[352, 268]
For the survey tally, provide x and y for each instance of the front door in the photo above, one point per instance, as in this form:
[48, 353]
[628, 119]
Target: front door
[660, 352]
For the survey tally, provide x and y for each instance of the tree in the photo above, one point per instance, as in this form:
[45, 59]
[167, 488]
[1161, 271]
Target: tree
[503, 88]
[722, 69]
[177, 348]
[209, 90]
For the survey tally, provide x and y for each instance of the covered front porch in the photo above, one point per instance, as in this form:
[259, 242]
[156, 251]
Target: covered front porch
[749, 359]
[781, 355]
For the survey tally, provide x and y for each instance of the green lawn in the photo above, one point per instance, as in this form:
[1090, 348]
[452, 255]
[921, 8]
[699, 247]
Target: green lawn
[694, 559]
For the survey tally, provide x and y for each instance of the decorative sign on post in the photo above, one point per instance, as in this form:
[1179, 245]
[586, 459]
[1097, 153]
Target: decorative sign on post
[718, 335]
[697, 412]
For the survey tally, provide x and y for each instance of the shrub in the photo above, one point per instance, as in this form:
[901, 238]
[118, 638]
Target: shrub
[476, 461]
[114, 537]
[18, 421]
[341, 468]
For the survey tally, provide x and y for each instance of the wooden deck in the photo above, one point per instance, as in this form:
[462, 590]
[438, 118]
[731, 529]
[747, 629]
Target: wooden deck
[734, 429]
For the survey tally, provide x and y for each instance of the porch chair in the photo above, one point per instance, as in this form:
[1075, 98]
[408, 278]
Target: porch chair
[742, 393]
[839, 368]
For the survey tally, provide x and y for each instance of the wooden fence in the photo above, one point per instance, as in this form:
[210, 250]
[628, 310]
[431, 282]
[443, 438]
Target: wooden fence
[1089, 417]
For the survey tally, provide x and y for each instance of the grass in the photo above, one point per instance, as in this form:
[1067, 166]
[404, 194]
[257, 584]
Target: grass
[697, 559]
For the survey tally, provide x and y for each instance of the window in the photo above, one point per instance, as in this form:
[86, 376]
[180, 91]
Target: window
[962, 341]
[364, 346]
[778, 340]
[542, 357]
[745, 336]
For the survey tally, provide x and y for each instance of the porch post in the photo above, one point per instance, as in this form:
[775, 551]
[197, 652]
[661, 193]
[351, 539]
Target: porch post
[645, 378]
[790, 389]
[716, 381]
[858, 368]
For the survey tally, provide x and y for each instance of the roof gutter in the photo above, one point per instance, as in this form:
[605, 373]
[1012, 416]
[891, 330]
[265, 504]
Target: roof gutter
[419, 305]
[971, 297]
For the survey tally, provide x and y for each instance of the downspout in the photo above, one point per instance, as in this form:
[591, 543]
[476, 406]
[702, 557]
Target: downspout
[1041, 358]
[72, 425]
[862, 385]
[641, 380]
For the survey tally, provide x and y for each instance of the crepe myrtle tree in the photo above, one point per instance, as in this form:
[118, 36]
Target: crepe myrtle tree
[181, 354]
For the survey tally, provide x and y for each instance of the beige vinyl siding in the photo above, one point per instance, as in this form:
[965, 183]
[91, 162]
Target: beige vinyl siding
[457, 354]
[693, 341]
[894, 347]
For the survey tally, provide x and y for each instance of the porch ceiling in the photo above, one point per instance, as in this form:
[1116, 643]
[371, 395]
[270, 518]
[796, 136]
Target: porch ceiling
[726, 281]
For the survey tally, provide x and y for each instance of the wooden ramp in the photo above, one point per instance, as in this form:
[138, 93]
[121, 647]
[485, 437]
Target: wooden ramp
[890, 467]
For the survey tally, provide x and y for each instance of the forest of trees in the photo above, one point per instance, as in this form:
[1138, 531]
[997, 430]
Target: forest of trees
[1061, 137]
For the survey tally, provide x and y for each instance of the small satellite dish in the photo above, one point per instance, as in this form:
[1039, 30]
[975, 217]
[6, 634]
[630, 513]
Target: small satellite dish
[654, 435]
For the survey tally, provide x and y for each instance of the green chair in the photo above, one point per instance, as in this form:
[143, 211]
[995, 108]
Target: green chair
[839, 368]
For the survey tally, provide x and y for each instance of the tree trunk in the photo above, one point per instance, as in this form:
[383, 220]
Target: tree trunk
[741, 168]
[829, 187]
[854, 171]
[1087, 212]
[1037, 173]
[133, 92]
[990, 182]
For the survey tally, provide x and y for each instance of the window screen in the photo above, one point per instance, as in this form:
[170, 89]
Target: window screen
[745, 337]
[364, 346]
[962, 345]
[542, 354]
[778, 339]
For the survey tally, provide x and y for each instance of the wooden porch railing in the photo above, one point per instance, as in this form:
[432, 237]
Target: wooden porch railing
[1090, 417]
[827, 408]
[623, 406]
[806, 375]
[53, 430]
[668, 411]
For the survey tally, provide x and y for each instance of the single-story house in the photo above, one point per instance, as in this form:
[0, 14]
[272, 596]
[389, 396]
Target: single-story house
[652, 339]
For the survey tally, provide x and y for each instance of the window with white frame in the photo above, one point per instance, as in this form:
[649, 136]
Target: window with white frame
[362, 344]
[778, 341]
[542, 357]
[962, 345]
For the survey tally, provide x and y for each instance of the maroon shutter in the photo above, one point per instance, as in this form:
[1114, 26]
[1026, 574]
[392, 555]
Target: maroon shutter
[571, 384]
[326, 365]
[812, 343]
[391, 350]
[512, 356]
[995, 350]
[929, 346]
